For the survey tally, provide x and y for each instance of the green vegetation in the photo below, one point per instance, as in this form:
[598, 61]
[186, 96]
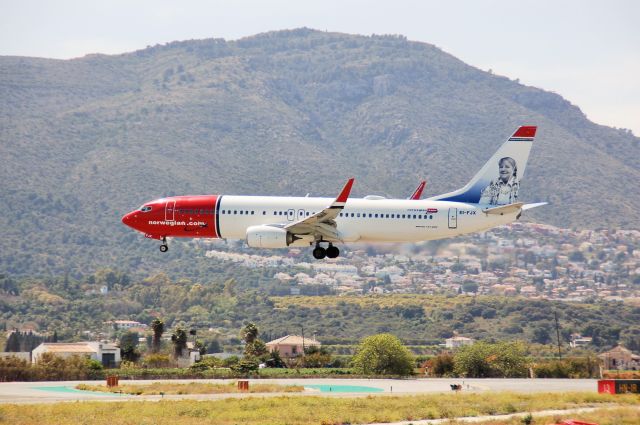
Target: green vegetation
[423, 321]
[383, 354]
[50, 368]
[302, 410]
[157, 388]
[485, 360]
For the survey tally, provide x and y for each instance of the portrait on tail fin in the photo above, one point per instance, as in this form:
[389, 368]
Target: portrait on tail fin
[504, 189]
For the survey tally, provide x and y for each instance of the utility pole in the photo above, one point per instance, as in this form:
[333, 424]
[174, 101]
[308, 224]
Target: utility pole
[555, 313]
[303, 349]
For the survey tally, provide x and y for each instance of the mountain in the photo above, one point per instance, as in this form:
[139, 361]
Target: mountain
[84, 141]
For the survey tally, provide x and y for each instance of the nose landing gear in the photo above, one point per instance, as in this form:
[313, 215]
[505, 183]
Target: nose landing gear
[164, 247]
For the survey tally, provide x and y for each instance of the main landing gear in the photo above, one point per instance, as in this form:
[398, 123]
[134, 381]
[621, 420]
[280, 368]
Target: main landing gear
[164, 247]
[331, 252]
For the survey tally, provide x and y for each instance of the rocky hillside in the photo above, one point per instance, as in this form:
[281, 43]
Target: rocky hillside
[83, 141]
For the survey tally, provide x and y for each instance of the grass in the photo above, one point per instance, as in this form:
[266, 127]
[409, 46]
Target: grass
[301, 410]
[157, 388]
[605, 416]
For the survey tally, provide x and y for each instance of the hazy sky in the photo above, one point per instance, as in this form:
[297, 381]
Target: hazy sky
[587, 51]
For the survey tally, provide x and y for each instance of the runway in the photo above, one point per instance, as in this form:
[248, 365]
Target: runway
[52, 392]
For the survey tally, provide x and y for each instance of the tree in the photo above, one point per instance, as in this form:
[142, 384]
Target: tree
[274, 360]
[470, 286]
[542, 334]
[214, 347]
[256, 348]
[157, 325]
[199, 345]
[485, 360]
[249, 333]
[129, 346]
[179, 340]
[315, 356]
[383, 354]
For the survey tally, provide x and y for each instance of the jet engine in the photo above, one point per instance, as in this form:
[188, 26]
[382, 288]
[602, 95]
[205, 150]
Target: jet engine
[269, 237]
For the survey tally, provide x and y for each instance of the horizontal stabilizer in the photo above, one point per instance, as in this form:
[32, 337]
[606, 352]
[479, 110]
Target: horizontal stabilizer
[504, 209]
[531, 206]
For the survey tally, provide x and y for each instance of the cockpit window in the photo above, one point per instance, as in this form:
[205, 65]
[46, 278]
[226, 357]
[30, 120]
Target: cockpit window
[146, 208]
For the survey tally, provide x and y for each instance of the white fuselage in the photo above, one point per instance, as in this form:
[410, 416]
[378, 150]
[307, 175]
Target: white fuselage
[362, 220]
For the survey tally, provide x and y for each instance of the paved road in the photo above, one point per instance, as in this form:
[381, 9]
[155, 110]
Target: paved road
[48, 392]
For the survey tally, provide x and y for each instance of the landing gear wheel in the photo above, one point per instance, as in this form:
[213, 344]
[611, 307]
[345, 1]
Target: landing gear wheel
[164, 248]
[333, 252]
[319, 252]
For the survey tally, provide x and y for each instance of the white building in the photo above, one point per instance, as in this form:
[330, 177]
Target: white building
[107, 354]
[125, 324]
[458, 341]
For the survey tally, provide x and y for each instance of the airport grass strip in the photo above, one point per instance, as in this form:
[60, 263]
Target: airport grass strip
[605, 416]
[168, 388]
[301, 410]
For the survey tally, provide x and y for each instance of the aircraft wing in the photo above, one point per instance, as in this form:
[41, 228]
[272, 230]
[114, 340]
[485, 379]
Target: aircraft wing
[323, 222]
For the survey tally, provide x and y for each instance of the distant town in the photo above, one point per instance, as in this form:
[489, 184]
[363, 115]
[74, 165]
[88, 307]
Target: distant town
[521, 259]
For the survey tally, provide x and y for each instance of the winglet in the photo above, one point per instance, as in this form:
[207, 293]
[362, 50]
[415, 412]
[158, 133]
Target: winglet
[525, 132]
[418, 192]
[346, 190]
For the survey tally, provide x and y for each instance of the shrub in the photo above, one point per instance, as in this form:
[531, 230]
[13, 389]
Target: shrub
[245, 366]
[441, 365]
[50, 368]
[157, 360]
[572, 367]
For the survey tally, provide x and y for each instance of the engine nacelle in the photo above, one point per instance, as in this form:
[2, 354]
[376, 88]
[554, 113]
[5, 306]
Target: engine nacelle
[269, 237]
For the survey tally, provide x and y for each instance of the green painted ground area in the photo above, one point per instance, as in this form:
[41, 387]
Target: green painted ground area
[63, 389]
[344, 389]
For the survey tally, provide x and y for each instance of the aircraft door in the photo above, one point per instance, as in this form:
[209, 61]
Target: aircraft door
[291, 214]
[301, 214]
[453, 218]
[170, 211]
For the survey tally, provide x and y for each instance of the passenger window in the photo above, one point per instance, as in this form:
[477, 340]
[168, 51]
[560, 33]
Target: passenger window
[352, 215]
[414, 217]
[386, 216]
[235, 211]
[264, 213]
[252, 212]
[240, 212]
[275, 213]
[376, 215]
[403, 216]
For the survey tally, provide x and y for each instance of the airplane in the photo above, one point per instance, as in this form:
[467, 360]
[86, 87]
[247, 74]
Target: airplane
[488, 200]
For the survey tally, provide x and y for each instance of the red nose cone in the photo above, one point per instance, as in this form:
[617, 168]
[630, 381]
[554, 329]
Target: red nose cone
[128, 219]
